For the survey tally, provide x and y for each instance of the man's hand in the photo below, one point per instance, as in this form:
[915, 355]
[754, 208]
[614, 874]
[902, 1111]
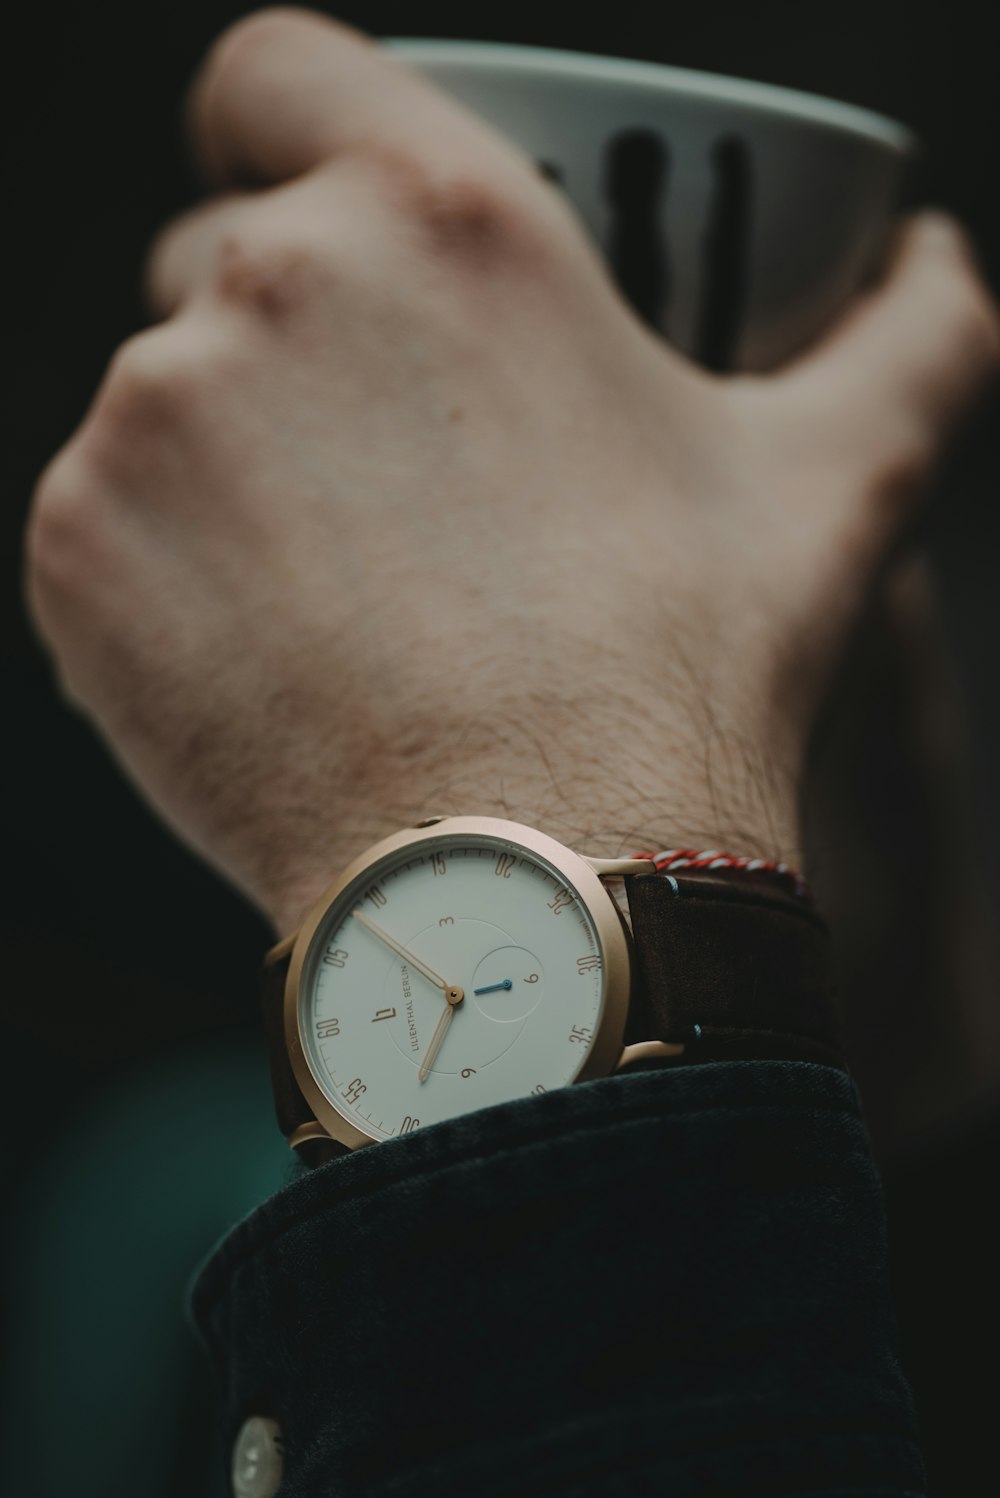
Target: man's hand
[400, 510]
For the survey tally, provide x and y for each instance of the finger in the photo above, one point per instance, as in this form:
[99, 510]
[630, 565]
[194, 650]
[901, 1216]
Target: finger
[187, 253]
[284, 90]
[897, 373]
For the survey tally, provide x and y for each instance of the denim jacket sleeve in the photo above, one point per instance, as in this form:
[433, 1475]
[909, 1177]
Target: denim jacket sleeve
[671, 1282]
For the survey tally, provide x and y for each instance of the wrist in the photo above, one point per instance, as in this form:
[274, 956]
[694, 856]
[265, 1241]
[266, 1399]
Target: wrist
[605, 798]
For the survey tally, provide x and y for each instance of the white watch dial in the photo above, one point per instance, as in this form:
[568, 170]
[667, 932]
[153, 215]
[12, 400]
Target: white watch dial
[459, 973]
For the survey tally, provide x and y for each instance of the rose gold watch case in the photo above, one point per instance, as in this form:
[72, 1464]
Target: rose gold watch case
[605, 1052]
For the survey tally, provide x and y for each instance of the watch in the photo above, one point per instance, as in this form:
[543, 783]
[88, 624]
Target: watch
[469, 961]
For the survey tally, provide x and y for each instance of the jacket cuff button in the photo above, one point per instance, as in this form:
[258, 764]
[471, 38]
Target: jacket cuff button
[258, 1458]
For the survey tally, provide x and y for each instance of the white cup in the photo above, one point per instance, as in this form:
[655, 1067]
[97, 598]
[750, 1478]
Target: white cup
[738, 218]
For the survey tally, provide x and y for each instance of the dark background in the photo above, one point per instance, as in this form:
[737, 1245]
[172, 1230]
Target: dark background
[103, 906]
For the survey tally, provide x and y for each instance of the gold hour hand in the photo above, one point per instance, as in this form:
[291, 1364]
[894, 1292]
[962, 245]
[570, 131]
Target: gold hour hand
[391, 942]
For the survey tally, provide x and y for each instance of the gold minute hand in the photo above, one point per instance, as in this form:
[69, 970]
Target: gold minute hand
[390, 941]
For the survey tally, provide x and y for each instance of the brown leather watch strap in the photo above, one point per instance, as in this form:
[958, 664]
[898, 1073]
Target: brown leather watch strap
[732, 967]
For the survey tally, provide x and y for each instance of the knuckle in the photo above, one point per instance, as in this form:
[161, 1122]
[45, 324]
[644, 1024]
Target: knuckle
[902, 472]
[899, 461]
[977, 325]
[259, 27]
[974, 317]
[939, 231]
[248, 47]
[459, 214]
[149, 376]
[243, 43]
[223, 60]
[155, 386]
[61, 535]
[271, 278]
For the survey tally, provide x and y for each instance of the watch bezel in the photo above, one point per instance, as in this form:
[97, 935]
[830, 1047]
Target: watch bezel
[606, 1048]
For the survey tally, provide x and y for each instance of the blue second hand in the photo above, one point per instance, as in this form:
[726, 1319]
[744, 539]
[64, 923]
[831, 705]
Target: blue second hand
[492, 987]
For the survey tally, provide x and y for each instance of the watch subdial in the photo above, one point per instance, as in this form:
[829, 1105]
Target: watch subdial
[508, 984]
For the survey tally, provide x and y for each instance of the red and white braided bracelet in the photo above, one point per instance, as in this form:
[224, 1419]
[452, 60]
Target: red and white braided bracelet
[672, 860]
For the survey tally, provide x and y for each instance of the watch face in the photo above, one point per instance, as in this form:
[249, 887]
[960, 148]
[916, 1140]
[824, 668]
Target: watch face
[459, 969]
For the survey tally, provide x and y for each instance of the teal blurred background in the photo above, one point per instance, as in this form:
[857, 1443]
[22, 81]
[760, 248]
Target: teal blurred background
[107, 1390]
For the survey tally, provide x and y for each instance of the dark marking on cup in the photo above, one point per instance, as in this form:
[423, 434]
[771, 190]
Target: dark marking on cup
[551, 172]
[725, 256]
[636, 176]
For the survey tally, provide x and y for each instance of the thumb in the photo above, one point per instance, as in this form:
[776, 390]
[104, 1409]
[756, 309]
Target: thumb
[894, 376]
